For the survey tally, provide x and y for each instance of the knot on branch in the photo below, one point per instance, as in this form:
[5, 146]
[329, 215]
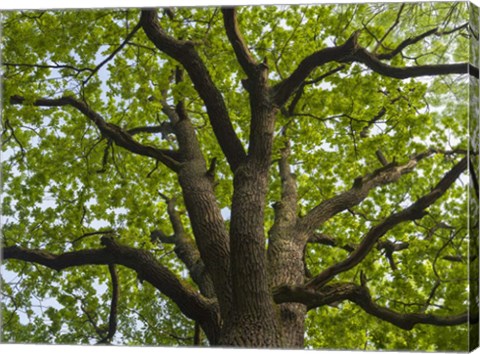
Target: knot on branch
[263, 65]
[107, 241]
[211, 170]
[361, 294]
[351, 46]
[352, 41]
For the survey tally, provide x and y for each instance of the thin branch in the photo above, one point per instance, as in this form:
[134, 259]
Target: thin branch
[286, 44]
[153, 327]
[387, 246]
[47, 66]
[326, 240]
[12, 132]
[147, 129]
[455, 29]
[412, 40]
[105, 157]
[432, 294]
[453, 234]
[381, 157]
[376, 118]
[133, 44]
[397, 20]
[186, 250]
[175, 217]
[325, 75]
[153, 170]
[159, 235]
[5, 323]
[110, 57]
[94, 233]
[300, 90]
[90, 319]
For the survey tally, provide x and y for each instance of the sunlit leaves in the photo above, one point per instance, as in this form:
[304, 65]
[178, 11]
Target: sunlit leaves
[65, 185]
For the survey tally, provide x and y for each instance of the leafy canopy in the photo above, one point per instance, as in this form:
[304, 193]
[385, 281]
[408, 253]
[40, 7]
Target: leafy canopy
[65, 184]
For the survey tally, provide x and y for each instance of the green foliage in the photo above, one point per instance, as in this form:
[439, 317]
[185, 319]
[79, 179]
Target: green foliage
[62, 180]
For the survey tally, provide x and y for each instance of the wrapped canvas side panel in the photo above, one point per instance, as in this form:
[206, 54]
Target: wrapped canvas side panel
[474, 182]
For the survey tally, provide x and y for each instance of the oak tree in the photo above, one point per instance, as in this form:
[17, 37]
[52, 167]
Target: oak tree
[276, 176]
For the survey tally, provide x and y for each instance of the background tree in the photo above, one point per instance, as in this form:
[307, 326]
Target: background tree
[261, 176]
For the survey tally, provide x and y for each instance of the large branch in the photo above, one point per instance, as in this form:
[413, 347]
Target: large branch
[413, 212]
[363, 56]
[351, 52]
[235, 37]
[279, 250]
[283, 90]
[61, 261]
[361, 187]
[111, 131]
[192, 304]
[197, 185]
[360, 295]
[185, 53]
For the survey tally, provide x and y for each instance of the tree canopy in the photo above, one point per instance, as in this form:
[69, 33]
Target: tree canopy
[279, 176]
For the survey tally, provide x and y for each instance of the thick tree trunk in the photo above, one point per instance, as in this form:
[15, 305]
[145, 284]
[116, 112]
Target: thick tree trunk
[253, 321]
[250, 330]
[286, 266]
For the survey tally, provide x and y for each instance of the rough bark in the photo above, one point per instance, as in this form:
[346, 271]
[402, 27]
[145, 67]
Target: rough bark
[207, 222]
[253, 321]
[285, 255]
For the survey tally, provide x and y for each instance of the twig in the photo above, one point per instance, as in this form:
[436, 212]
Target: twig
[107, 59]
[105, 232]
